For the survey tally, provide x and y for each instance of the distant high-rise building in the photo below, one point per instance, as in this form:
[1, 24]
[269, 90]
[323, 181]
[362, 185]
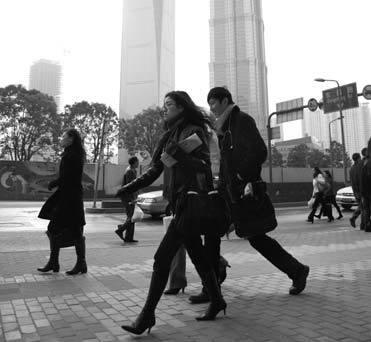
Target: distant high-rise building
[357, 127]
[237, 54]
[147, 56]
[46, 76]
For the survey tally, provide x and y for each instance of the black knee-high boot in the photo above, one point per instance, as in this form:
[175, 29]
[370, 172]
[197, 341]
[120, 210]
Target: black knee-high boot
[146, 318]
[80, 266]
[217, 303]
[53, 263]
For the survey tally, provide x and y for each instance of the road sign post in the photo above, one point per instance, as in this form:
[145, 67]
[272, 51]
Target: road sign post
[286, 111]
[344, 97]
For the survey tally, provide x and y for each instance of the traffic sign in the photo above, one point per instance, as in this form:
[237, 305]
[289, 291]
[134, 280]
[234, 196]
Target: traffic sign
[366, 92]
[275, 132]
[289, 106]
[345, 97]
[312, 105]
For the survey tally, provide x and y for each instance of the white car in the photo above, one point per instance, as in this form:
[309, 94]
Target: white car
[152, 203]
[345, 197]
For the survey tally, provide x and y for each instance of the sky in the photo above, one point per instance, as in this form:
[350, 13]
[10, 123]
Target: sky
[304, 39]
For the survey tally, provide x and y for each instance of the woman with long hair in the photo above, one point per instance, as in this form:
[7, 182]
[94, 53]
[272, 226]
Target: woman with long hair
[182, 171]
[65, 208]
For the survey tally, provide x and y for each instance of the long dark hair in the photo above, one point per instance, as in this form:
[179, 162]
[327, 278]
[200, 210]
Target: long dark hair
[77, 145]
[316, 171]
[193, 114]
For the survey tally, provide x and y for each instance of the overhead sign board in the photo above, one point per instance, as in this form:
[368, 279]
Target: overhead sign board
[366, 92]
[276, 132]
[345, 97]
[289, 106]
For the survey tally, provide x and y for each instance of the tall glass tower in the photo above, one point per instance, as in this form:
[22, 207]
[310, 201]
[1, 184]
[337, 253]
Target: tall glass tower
[147, 54]
[237, 54]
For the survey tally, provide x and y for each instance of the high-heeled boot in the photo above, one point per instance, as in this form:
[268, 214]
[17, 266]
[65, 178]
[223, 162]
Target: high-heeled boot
[146, 318]
[217, 303]
[53, 263]
[80, 266]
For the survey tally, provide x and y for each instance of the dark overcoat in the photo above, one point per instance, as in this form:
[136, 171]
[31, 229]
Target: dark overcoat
[242, 153]
[65, 207]
[190, 171]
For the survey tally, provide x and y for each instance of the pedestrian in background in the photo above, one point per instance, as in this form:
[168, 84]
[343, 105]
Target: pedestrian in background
[319, 183]
[129, 203]
[366, 188]
[182, 172]
[242, 153]
[65, 207]
[355, 183]
[328, 198]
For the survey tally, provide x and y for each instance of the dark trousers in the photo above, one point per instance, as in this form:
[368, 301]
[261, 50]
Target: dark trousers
[332, 200]
[271, 250]
[366, 205]
[128, 225]
[169, 246]
[359, 209]
[318, 197]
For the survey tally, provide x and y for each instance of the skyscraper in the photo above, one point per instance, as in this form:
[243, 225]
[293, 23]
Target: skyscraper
[46, 76]
[147, 55]
[357, 127]
[237, 54]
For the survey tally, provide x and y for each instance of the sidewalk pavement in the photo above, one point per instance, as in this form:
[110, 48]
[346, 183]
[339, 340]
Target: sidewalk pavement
[335, 306]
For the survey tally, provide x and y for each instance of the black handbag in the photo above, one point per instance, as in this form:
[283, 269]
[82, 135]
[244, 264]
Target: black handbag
[254, 215]
[202, 213]
[61, 239]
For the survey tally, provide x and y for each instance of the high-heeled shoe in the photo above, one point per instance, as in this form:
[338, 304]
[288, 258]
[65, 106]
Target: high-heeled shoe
[340, 216]
[309, 219]
[174, 290]
[318, 216]
[49, 267]
[213, 310]
[141, 324]
[330, 219]
[80, 267]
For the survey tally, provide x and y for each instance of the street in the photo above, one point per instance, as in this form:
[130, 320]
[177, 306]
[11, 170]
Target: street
[335, 306]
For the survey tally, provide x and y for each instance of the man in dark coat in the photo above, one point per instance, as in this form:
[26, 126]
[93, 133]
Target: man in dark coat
[365, 187]
[358, 175]
[355, 182]
[129, 204]
[242, 153]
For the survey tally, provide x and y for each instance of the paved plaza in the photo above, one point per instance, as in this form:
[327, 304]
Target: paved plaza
[336, 305]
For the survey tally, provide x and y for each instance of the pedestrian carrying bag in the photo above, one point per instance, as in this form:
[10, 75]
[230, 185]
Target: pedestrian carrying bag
[202, 213]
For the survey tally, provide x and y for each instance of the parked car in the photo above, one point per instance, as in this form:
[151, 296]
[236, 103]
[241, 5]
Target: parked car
[152, 203]
[345, 197]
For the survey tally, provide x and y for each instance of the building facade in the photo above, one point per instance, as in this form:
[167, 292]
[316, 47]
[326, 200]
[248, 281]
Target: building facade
[46, 76]
[147, 55]
[285, 147]
[237, 54]
[357, 127]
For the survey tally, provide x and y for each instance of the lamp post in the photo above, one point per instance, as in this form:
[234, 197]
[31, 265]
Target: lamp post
[340, 105]
[329, 134]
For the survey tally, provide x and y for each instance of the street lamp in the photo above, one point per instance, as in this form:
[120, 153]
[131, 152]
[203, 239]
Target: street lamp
[329, 134]
[341, 122]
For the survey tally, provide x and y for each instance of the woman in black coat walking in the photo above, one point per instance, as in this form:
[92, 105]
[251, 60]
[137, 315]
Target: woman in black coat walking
[182, 172]
[65, 208]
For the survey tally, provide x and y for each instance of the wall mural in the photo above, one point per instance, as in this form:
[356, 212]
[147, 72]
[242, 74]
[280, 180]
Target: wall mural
[29, 180]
